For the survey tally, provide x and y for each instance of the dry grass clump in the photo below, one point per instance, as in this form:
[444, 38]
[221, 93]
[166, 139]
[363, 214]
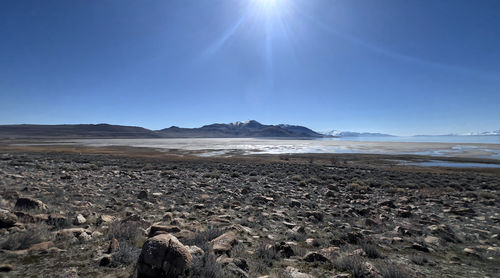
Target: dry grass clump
[206, 265]
[127, 254]
[392, 270]
[23, 240]
[418, 259]
[264, 259]
[352, 264]
[128, 231]
[201, 239]
[371, 250]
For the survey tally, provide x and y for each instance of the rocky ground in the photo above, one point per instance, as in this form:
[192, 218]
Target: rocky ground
[74, 214]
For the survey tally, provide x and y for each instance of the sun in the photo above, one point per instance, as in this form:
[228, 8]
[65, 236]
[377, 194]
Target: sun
[268, 4]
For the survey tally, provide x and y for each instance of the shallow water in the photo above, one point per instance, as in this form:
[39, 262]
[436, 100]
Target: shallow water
[228, 146]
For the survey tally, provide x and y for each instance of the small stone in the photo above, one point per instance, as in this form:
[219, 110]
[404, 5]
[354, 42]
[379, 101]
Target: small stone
[432, 240]
[113, 246]
[84, 237]
[312, 242]
[105, 260]
[224, 243]
[142, 195]
[105, 219]
[420, 247]
[79, 220]
[470, 251]
[315, 257]
[295, 203]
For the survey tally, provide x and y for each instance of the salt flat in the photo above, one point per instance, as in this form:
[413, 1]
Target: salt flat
[228, 146]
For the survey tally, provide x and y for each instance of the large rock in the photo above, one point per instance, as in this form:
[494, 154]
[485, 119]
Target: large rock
[163, 256]
[324, 255]
[224, 243]
[7, 219]
[28, 203]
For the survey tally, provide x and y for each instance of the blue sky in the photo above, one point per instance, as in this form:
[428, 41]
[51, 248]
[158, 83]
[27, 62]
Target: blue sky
[400, 67]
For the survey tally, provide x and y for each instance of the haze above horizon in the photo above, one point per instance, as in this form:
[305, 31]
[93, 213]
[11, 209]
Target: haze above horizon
[397, 67]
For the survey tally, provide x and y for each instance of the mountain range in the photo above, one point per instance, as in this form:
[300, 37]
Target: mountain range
[244, 129]
[232, 130]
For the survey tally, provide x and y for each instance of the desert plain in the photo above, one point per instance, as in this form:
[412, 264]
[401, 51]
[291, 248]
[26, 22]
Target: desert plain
[121, 211]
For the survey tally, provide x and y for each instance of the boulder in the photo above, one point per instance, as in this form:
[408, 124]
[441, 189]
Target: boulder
[163, 256]
[28, 203]
[7, 219]
[224, 243]
[315, 257]
[284, 249]
[329, 254]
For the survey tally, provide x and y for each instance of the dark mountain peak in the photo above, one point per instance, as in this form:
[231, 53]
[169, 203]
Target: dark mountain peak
[240, 129]
[245, 129]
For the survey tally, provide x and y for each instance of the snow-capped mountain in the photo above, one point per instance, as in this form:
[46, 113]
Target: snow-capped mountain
[494, 132]
[240, 129]
[339, 133]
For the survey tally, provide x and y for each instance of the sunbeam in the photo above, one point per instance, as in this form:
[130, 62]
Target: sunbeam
[270, 16]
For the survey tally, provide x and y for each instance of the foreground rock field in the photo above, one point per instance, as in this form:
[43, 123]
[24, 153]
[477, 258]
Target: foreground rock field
[93, 215]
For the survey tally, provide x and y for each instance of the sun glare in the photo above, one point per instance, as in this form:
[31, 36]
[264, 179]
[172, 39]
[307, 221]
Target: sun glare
[268, 4]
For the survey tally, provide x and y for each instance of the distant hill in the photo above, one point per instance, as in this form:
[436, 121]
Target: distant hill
[339, 133]
[236, 129]
[494, 133]
[75, 131]
[485, 133]
[239, 130]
